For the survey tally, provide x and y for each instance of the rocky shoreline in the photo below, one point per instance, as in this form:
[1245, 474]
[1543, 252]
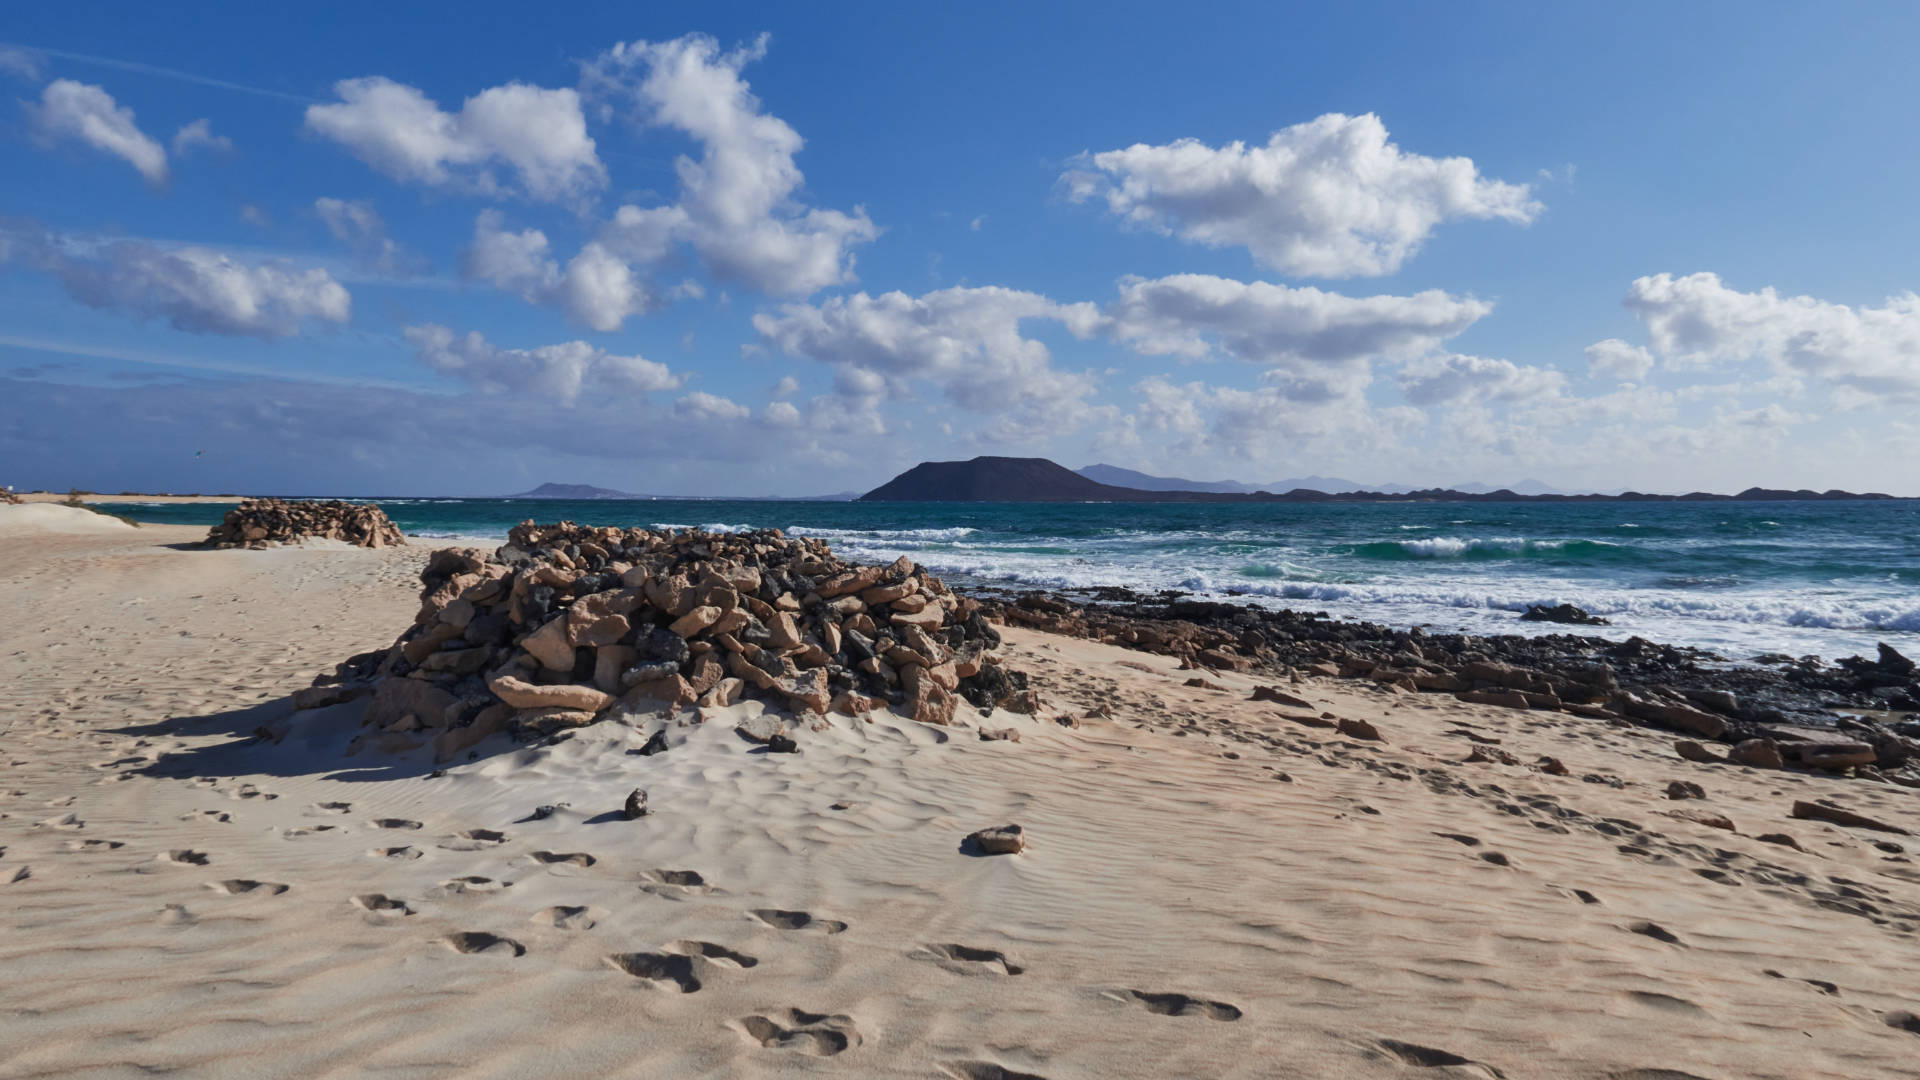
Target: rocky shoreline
[1840, 717]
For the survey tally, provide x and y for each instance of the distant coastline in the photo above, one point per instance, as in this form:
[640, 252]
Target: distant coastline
[1005, 479]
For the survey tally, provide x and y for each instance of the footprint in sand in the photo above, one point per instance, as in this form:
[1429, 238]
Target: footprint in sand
[781, 919]
[244, 886]
[675, 884]
[683, 964]
[1654, 931]
[984, 1070]
[394, 823]
[719, 954]
[1427, 1057]
[967, 960]
[176, 915]
[334, 807]
[220, 817]
[299, 831]
[381, 904]
[17, 875]
[472, 883]
[474, 840]
[570, 858]
[480, 941]
[401, 852]
[818, 1034]
[1460, 838]
[184, 857]
[1178, 1005]
[564, 917]
[658, 968]
[91, 845]
[64, 821]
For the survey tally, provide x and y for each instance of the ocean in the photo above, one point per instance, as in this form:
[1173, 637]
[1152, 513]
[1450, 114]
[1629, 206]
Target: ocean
[1830, 579]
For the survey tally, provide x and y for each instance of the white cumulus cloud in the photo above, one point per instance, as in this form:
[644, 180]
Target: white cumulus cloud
[193, 288]
[538, 134]
[966, 341]
[75, 110]
[561, 372]
[197, 135]
[1314, 344]
[361, 229]
[737, 205]
[1619, 359]
[1328, 198]
[1872, 354]
[596, 288]
[1450, 378]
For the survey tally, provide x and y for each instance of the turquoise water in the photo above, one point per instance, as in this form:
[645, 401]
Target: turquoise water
[1824, 578]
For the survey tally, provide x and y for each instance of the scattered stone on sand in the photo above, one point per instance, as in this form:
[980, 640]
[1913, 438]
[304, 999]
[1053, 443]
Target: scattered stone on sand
[1708, 818]
[565, 625]
[1693, 751]
[1683, 789]
[999, 735]
[1199, 683]
[1281, 697]
[1553, 766]
[782, 744]
[1780, 838]
[1816, 811]
[1690, 691]
[762, 729]
[655, 744]
[1757, 753]
[636, 805]
[1359, 729]
[1001, 840]
[258, 523]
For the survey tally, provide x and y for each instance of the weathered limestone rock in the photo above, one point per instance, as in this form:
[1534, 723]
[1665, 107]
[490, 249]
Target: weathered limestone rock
[550, 646]
[395, 699]
[1001, 840]
[525, 695]
[1757, 753]
[1822, 812]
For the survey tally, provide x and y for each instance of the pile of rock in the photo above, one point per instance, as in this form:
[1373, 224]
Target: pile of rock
[8, 498]
[258, 523]
[567, 624]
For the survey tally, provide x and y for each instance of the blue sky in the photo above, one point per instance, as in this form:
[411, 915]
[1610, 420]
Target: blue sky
[716, 250]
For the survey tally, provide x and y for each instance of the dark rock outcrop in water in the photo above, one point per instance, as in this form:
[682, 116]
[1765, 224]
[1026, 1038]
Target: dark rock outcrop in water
[1562, 613]
[1008, 479]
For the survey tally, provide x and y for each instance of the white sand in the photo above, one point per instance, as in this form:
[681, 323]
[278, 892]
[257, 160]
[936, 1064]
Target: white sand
[41, 517]
[1181, 911]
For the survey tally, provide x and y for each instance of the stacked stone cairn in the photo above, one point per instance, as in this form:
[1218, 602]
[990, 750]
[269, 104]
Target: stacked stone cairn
[258, 523]
[8, 498]
[568, 624]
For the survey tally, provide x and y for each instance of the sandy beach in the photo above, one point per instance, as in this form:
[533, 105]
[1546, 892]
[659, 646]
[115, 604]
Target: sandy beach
[1210, 889]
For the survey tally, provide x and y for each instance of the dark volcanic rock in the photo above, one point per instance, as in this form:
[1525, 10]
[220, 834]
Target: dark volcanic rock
[1562, 613]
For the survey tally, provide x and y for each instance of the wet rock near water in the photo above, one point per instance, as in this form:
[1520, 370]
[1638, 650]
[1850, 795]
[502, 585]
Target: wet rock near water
[1562, 613]
[1775, 712]
[566, 625]
[258, 523]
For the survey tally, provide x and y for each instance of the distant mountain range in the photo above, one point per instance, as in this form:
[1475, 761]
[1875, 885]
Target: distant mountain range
[1005, 479]
[1332, 485]
[581, 492]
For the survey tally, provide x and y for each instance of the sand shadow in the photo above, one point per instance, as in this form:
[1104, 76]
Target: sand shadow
[272, 739]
